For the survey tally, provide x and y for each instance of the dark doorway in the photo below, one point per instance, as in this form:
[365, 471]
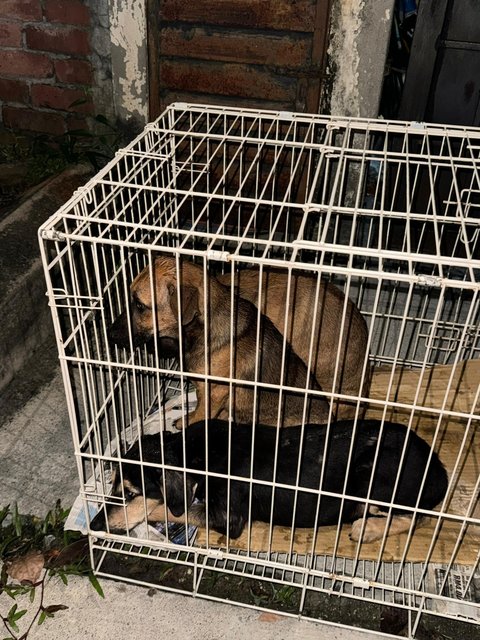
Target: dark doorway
[443, 78]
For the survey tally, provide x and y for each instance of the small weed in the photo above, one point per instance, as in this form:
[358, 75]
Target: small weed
[34, 158]
[32, 552]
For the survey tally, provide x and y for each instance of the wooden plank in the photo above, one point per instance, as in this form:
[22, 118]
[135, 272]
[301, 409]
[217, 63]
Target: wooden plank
[442, 386]
[225, 79]
[325, 543]
[259, 48]
[264, 14]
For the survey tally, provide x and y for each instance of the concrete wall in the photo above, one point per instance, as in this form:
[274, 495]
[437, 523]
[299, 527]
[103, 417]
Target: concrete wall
[100, 56]
[359, 38]
[128, 32]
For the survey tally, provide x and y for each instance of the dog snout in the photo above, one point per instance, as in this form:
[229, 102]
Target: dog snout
[117, 333]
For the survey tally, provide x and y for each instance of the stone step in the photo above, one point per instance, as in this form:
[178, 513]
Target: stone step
[26, 320]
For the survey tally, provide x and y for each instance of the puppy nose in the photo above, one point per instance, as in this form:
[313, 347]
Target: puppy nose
[117, 333]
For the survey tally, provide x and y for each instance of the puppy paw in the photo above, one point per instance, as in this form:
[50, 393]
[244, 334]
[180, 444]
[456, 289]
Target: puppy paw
[373, 529]
[197, 514]
[178, 424]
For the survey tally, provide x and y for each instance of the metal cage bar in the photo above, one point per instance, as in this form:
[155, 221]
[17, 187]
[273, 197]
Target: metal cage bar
[384, 214]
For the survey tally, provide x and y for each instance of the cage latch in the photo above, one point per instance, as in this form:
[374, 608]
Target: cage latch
[215, 553]
[213, 254]
[430, 281]
[52, 234]
[360, 583]
[357, 583]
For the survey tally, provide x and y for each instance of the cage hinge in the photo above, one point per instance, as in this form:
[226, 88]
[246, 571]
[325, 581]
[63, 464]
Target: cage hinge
[215, 553]
[213, 254]
[430, 281]
[357, 583]
[417, 126]
[360, 583]
[52, 234]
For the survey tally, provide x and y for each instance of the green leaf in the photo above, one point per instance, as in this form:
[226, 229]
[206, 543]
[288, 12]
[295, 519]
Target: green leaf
[53, 608]
[4, 513]
[14, 615]
[19, 614]
[42, 617]
[77, 103]
[62, 577]
[103, 120]
[96, 585]
[3, 576]
[17, 522]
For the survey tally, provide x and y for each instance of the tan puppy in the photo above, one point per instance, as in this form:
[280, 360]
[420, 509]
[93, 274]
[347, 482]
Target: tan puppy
[299, 318]
[192, 325]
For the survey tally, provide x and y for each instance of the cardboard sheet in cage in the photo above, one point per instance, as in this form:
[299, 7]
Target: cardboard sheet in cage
[453, 389]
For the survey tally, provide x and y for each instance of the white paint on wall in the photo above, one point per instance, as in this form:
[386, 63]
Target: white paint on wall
[343, 54]
[128, 29]
[359, 38]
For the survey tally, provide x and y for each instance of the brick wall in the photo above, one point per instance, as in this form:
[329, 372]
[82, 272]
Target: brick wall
[44, 65]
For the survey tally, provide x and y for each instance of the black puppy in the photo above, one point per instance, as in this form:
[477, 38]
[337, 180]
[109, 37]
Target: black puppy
[147, 490]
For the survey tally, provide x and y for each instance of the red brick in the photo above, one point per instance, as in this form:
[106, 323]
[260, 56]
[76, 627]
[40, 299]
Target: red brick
[255, 48]
[226, 80]
[58, 40]
[10, 34]
[13, 91]
[25, 63]
[52, 97]
[29, 120]
[67, 11]
[74, 71]
[21, 9]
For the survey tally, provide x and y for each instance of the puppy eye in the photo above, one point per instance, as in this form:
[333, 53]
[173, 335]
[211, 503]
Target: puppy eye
[140, 306]
[129, 495]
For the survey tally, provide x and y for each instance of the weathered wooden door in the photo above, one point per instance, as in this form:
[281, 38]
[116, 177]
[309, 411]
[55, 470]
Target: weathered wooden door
[252, 53]
[443, 77]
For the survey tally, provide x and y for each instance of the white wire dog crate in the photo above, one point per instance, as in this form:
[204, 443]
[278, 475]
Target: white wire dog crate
[390, 213]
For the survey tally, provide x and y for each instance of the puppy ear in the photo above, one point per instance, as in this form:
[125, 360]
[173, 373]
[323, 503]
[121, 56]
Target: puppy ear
[189, 301]
[175, 498]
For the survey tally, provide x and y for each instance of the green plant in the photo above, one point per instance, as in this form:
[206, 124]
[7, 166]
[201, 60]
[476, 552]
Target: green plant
[79, 145]
[272, 595]
[33, 551]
